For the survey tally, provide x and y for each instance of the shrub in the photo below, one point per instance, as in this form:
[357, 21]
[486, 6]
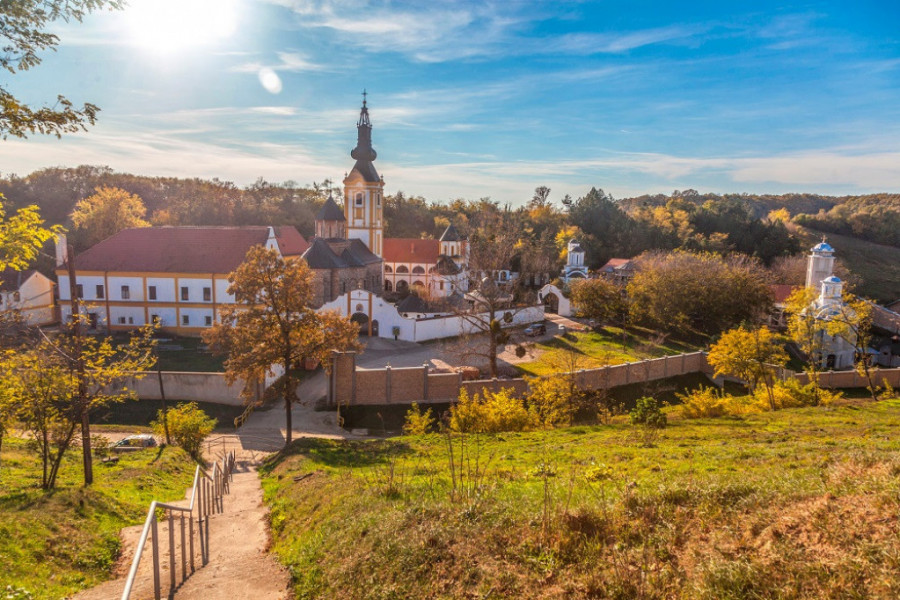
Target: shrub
[552, 401]
[790, 394]
[648, 412]
[492, 413]
[418, 422]
[708, 402]
[188, 427]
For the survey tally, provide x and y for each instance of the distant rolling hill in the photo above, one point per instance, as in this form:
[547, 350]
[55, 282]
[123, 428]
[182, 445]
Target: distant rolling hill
[878, 266]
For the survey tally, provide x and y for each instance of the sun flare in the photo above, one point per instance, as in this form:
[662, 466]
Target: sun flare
[167, 26]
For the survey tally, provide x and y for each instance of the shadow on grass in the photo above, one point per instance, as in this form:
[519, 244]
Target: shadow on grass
[342, 453]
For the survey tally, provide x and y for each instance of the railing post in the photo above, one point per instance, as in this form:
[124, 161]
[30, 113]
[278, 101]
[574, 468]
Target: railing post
[154, 531]
[191, 538]
[171, 552]
[183, 552]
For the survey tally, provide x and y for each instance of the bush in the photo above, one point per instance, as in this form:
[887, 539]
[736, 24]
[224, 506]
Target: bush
[188, 427]
[417, 422]
[492, 413]
[708, 402]
[790, 394]
[552, 401]
[648, 412]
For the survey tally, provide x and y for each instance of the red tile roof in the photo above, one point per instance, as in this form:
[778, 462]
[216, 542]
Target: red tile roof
[410, 250]
[781, 291]
[290, 242]
[183, 249]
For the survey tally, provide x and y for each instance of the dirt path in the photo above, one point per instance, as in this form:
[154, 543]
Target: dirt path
[239, 566]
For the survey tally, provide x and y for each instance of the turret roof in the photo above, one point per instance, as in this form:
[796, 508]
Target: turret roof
[330, 211]
[450, 234]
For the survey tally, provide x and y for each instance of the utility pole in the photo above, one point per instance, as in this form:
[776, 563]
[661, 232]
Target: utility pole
[79, 370]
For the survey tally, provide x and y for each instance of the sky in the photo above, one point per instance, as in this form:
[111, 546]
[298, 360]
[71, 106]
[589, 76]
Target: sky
[485, 99]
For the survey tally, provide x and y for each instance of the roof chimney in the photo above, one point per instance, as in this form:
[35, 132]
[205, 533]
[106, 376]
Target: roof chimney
[62, 250]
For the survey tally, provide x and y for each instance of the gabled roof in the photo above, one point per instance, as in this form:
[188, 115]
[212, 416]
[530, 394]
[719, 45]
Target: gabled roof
[290, 241]
[11, 280]
[354, 253]
[412, 303]
[616, 263]
[330, 211]
[410, 250]
[450, 234]
[446, 266]
[183, 249]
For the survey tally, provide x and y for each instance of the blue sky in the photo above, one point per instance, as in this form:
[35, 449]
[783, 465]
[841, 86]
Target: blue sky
[474, 99]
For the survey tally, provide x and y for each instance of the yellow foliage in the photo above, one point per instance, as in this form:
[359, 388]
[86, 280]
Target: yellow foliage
[708, 402]
[418, 422]
[492, 413]
[790, 394]
[551, 401]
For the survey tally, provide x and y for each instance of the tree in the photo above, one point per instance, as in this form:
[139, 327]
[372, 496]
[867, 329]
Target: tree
[807, 331]
[492, 247]
[24, 32]
[274, 328]
[22, 236]
[597, 299]
[106, 212]
[853, 322]
[188, 426]
[749, 355]
[697, 293]
[56, 385]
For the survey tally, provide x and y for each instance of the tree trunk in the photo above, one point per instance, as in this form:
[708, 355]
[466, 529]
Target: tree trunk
[79, 366]
[162, 395]
[288, 395]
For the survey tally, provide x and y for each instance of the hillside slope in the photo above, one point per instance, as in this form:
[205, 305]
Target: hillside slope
[797, 504]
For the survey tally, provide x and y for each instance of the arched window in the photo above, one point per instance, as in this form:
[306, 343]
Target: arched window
[387, 286]
[402, 269]
[402, 285]
[359, 199]
[432, 269]
[419, 270]
[388, 269]
[418, 284]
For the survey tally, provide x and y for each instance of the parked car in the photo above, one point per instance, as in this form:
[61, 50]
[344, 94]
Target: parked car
[535, 329]
[134, 442]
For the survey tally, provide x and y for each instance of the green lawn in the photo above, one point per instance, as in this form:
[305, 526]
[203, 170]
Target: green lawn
[599, 348]
[795, 504]
[53, 544]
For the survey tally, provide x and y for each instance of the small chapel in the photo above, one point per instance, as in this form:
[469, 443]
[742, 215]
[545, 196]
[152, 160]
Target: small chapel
[837, 351]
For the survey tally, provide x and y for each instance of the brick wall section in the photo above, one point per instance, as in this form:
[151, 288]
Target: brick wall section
[443, 387]
[373, 385]
[406, 385]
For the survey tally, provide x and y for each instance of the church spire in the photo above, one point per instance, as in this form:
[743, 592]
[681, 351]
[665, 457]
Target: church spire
[364, 153]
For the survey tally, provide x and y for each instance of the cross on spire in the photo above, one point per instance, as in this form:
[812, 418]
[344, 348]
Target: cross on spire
[364, 94]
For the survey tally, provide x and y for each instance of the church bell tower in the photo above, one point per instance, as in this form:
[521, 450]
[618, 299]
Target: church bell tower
[364, 189]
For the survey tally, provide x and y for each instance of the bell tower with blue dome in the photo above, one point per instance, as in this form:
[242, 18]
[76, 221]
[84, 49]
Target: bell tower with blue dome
[820, 265]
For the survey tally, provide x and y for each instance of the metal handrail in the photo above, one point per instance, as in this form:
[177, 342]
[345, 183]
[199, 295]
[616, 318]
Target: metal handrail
[207, 495]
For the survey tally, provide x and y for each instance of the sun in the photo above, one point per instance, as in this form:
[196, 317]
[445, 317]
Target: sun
[166, 26]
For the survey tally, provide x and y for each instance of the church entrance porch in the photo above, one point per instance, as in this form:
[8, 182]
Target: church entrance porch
[551, 303]
[362, 320]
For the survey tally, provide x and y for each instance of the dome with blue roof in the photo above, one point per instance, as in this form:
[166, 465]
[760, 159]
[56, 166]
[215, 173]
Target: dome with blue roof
[823, 247]
[831, 279]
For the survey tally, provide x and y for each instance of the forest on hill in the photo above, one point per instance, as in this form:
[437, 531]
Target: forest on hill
[767, 227]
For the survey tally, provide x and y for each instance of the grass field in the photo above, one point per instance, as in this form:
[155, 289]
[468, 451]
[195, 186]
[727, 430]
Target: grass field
[53, 544]
[591, 349]
[800, 503]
